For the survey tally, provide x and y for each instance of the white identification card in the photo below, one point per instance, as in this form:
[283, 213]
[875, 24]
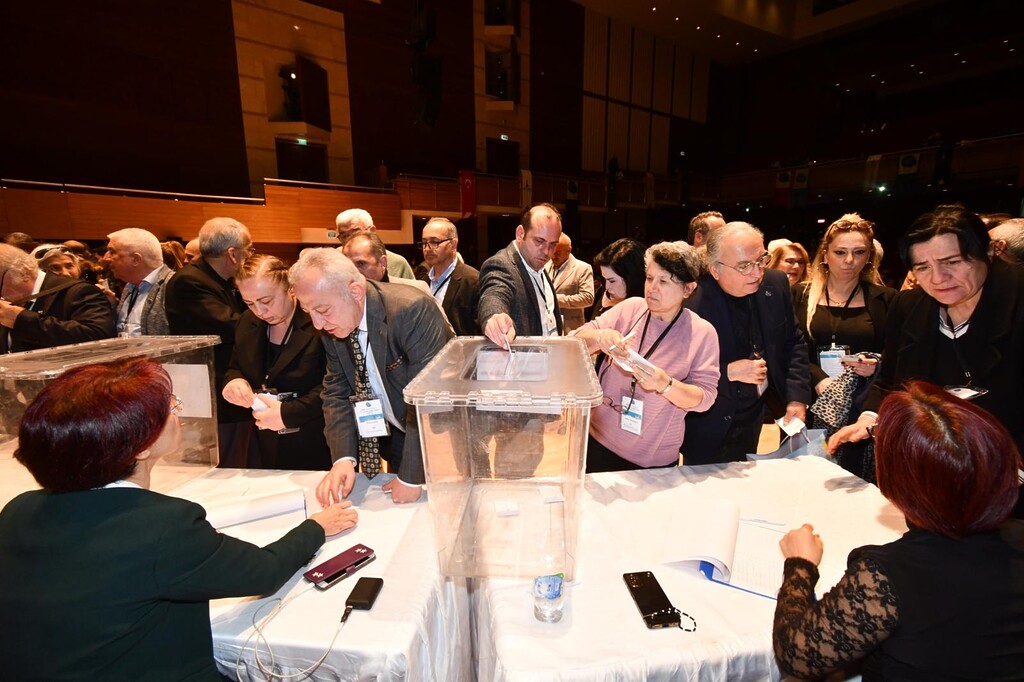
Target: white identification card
[370, 419]
[632, 415]
[966, 392]
[831, 360]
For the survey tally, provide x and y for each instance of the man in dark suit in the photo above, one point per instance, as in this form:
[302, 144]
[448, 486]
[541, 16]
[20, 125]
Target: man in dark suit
[516, 295]
[396, 330]
[453, 283]
[763, 356]
[202, 299]
[42, 310]
[134, 257]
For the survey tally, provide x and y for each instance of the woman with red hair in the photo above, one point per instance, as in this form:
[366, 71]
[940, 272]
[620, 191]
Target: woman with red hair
[945, 601]
[102, 579]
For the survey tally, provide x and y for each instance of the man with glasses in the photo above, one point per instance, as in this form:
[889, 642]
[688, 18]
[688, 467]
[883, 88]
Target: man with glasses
[354, 220]
[455, 285]
[202, 299]
[763, 357]
[41, 310]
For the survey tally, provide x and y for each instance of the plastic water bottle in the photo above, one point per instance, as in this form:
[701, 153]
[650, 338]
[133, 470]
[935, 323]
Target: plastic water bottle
[548, 600]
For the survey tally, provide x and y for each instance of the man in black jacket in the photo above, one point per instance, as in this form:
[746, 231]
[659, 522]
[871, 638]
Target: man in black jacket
[202, 299]
[41, 310]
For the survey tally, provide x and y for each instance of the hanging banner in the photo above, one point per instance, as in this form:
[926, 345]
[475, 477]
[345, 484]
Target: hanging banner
[467, 192]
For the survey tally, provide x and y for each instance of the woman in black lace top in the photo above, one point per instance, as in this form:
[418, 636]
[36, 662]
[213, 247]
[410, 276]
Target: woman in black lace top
[945, 601]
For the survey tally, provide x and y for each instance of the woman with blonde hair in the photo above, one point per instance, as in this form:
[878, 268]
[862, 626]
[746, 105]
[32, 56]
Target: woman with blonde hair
[841, 311]
[792, 259]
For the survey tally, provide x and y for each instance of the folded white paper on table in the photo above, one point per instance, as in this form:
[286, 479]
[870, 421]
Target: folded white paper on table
[712, 540]
[245, 509]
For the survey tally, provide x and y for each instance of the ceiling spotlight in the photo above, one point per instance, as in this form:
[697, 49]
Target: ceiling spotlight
[956, 54]
[698, 28]
[755, 49]
[963, 61]
[677, 18]
[920, 73]
[719, 35]
[912, 66]
[737, 43]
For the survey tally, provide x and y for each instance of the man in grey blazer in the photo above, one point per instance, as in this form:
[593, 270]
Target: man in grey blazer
[398, 330]
[574, 284]
[134, 257]
[516, 295]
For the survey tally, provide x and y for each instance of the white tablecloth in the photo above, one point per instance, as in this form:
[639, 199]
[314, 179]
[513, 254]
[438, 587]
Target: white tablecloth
[624, 526]
[418, 628]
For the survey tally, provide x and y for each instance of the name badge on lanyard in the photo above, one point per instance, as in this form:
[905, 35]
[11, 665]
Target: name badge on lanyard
[831, 359]
[370, 419]
[632, 415]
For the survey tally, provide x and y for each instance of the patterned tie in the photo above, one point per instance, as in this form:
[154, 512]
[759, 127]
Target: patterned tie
[369, 448]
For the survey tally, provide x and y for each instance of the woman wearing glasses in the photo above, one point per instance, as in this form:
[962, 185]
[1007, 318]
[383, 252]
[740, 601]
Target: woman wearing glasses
[961, 328]
[102, 579]
[658, 362]
[842, 313]
[946, 600]
[278, 354]
[792, 259]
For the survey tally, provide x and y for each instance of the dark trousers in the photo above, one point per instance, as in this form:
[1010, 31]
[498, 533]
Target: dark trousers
[741, 438]
[600, 458]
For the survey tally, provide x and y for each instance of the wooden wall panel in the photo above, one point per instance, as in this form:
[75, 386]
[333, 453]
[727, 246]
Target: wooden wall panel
[664, 60]
[639, 140]
[701, 79]
[619, 57]
[618, 133]
[643, 63]
[593, 134]
[660, 126]
[681, 83]
[595, 53]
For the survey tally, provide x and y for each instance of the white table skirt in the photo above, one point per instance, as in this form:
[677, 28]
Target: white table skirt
[418, 629]
[623, 529]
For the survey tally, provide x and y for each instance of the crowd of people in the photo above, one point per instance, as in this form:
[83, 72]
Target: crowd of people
[696, 345]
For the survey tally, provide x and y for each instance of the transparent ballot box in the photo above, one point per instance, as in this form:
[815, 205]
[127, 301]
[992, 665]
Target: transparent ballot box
[504, 441]
[188, 360]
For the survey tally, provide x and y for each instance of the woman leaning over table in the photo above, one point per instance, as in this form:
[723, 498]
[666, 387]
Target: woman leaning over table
[842, 311]
[641, 421]
[102, 579]
[277, 349]
[945, 601]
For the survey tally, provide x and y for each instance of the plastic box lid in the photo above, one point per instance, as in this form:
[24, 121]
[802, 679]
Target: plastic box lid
[47, 363]
[471, 370]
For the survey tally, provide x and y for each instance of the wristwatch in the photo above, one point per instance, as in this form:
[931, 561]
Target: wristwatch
[667, 386]
[871, 430]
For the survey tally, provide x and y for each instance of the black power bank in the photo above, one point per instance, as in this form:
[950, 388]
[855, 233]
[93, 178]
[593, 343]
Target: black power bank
[364, 593]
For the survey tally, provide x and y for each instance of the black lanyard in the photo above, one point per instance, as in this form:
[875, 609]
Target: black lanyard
[440, 285]
[833, 323]
[270, 357]
[650, 351]
[960, 359]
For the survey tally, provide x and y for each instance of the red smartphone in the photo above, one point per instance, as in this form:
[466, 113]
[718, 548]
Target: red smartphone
[341, 566]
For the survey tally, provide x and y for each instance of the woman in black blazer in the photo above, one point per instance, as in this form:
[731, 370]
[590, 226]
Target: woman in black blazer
[277, 351]
[841, 310]
[102, 579]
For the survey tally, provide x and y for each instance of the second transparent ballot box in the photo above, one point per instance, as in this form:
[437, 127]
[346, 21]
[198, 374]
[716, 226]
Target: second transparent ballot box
[504, 437]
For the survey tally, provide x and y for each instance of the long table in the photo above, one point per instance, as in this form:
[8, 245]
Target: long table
[624, 528]
[418, 629]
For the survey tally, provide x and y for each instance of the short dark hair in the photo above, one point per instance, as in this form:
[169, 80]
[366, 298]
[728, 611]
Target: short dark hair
[971, 234]
[626, 257]
[699, 223]
[949, 465]
[85, 427]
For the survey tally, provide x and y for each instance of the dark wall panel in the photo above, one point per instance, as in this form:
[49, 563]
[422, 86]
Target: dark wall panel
[122, 93]
[410, 71]
[556, 86]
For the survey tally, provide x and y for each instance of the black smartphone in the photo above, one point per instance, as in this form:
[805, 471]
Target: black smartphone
[651, 600]
[364, 593]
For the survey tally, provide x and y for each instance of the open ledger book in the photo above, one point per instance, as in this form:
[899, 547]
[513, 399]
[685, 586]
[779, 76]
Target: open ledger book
[727, 549]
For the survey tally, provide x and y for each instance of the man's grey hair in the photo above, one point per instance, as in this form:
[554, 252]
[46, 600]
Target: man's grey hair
[1013, 232]
[142, 242]
[451, 232]
[17, 264]
[334, 266]
[679, 259]
[716, 237]
[376, 245]
[356, 215]
[218, 235]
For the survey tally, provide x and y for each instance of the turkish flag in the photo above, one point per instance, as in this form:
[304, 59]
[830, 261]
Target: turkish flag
[467, 191]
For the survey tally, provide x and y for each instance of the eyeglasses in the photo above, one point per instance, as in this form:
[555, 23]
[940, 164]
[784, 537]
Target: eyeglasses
[432, 244]
[177, 407]
[794, 261]
[746, 266]
[44, 253]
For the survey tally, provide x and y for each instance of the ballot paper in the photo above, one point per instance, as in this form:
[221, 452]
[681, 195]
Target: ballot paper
[224, 513]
